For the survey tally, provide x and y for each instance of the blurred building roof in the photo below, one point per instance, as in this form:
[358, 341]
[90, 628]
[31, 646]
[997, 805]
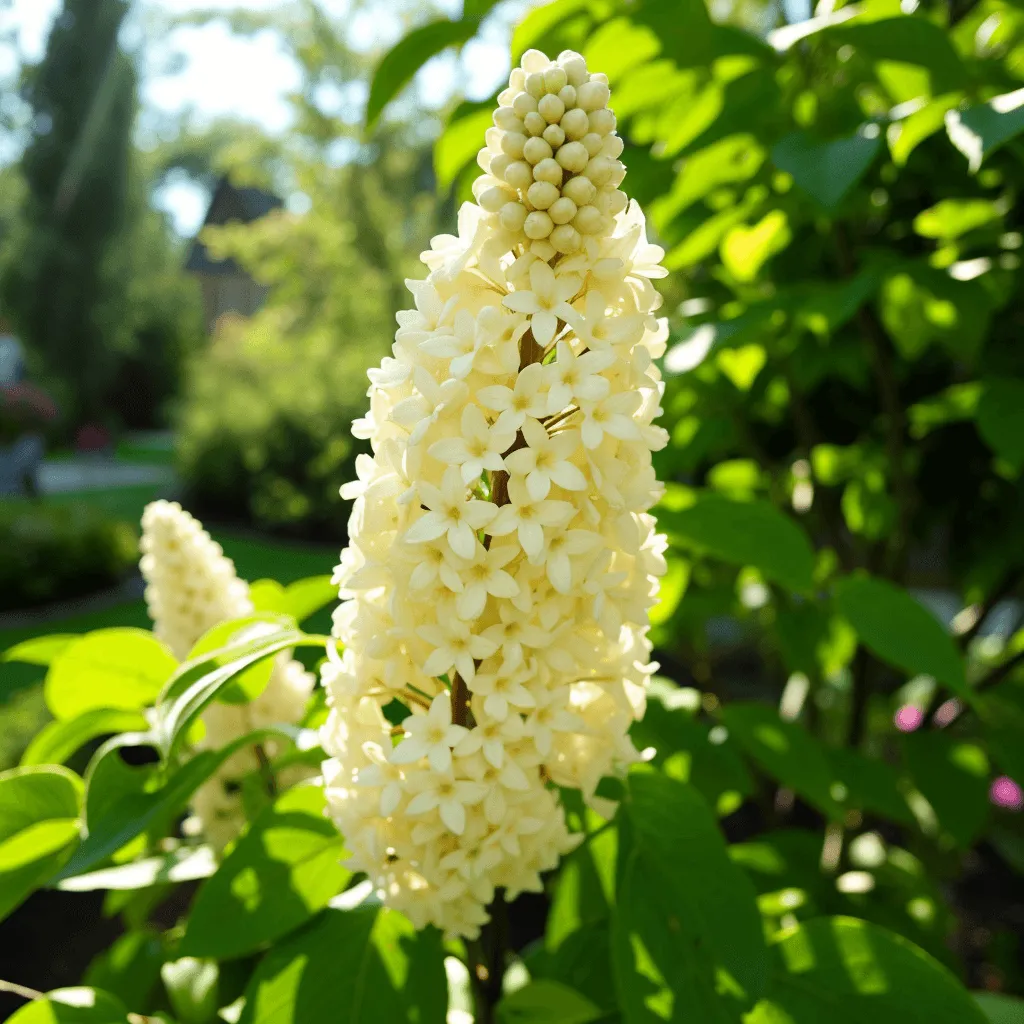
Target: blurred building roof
[230, 204]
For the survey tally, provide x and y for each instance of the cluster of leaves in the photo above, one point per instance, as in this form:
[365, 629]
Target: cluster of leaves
[654, 917]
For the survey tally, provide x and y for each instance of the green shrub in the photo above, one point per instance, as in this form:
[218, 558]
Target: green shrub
[265, 434]
[60, 552]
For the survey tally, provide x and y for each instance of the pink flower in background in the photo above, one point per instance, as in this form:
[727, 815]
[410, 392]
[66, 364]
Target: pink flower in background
[908, 718]
[1006, 793]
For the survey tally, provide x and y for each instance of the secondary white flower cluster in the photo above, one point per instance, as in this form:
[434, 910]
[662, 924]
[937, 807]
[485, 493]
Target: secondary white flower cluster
[502, 561]
[192, 587]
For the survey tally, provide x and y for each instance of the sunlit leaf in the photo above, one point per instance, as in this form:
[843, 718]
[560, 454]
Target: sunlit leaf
[900, 630]
[278, 875]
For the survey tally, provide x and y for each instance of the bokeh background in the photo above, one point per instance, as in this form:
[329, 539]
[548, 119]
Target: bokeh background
[203, 244]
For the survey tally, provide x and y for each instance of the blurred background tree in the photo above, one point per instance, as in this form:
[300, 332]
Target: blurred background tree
[66, 295]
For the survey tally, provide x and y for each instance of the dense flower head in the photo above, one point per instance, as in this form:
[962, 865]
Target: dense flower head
[502, 558]
[191, 586]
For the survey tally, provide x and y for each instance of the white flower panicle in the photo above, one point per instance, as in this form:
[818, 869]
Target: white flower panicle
[191, 586]
[502, 559]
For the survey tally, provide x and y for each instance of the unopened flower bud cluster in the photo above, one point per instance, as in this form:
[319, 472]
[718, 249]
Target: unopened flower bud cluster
[502, 559]
[551, 165]
[191, 586]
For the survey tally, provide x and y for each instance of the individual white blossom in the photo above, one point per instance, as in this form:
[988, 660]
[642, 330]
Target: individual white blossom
[502, 559]
[191, 586]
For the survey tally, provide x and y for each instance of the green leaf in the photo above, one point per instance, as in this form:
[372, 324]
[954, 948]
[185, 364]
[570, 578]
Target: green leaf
[953, 775]
[547, 1002]
[900, 630]
[744, 533]
[544, 24]
[109, 668]
[130, 968]
[871, 785]
[906, 135]
[687, 938]
[577, 949]
[980, 130]
[367, 965]
[122, 802]
[457, 148]
[192, 986]
[826, 171]
[1001, 418]
[952, 218]
[1000, 1009]
[41, 650]
[406, 57]
[40, 809]
[908, 40]
[847, 971]
[745, 250]
[220, 645]
[783, 750]
[305, 597]
[278, 875]
[198, 683]
[186, 864]
[58, 740]
[72, 1006]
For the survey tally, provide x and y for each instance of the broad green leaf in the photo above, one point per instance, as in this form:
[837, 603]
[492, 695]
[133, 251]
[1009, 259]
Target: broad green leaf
[953, 775]
[952, 218]
[367, 965]
[305, 597]
[457, 148]
[908, 40]
[547, 1002]
[785, 751]
[826, 170]
[900, 630]
[266, 595]
[109, 668]
[199, 683]
[41, 650]
[871, 785]
[72, 1006]
[731, 160]
[187, 864]
[129, 969]
[122, 802]
[686, 932]
[847, 971]
[744, 533]
[219, 647]
[746, 249]
[545, 26]
[192, 986]
[906, 135]
[980, 130]
[40, 808]
[577, 948]
[278, 875]
[1001, 418]
[408, 55]
[620, 45]
[58, 740]
[683, 745]
[742, 365]
[1000, 1009]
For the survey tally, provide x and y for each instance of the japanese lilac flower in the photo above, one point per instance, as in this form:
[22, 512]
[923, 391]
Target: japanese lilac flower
[502, 559]
[191, 586]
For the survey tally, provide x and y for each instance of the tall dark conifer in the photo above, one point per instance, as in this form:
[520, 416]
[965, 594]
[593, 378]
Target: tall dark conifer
[76, 168]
